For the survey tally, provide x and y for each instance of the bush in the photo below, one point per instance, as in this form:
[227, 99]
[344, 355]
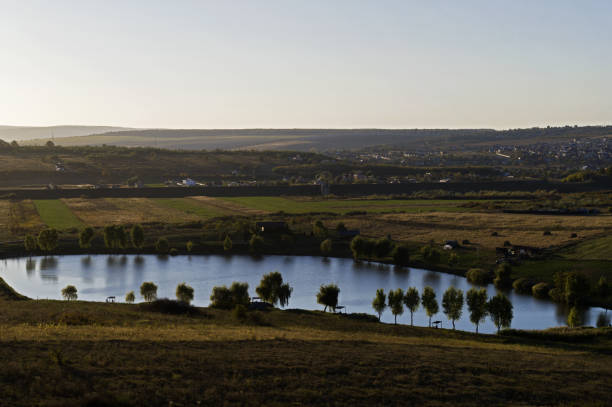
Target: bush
[547, 233]
[478, 276]
[603, 320]
[494, 234]
[523, 285]
[401, 255]
[167, 306]
[240, 312]
[174, 251]
[383, 247]
[189, 246]
[256, 244]
[430, 254]
[326, 247]
[502, 276]
[540, 290]
[162, 246]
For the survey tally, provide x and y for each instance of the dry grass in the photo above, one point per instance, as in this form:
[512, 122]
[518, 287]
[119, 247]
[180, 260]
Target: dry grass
[23, 218]
[478, 227]
[105, 211]
[118, 354]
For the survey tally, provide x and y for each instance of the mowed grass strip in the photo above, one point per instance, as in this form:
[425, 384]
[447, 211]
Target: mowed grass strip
[342, 206]
[193, 207]
[55, 214]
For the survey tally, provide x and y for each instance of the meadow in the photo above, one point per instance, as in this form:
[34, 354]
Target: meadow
[55, 214]
[120, 354]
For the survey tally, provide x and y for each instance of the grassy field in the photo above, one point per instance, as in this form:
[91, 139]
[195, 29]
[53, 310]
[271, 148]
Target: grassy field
[59, 353]
[342, 206]
[192, 206]
[55, 214]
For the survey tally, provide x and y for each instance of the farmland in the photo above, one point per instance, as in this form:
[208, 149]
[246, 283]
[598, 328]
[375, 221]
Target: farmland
[55, 214]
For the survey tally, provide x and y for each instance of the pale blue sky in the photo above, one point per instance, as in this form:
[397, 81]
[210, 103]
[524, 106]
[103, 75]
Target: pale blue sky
[308, 63]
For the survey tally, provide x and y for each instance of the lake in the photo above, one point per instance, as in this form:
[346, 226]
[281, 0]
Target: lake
[99, 276]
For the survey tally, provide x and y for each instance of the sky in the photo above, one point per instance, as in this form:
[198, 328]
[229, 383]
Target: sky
[306, 63]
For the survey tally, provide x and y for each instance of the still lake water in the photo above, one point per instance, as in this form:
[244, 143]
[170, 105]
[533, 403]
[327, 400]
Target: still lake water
[99, 276]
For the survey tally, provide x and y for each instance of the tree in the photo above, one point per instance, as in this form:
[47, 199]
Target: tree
[162, 246]
[29, 243]
[319, 230]
[383, 247]
[272, 290]
[137, 236]
[603, 289]
[401, 255]
[502, 276]
[189, 246]
[130, 297]
[576, 288]
[115, 237]
[357, 247]
[452, 304]
[221, 297]
[428, 299]
[453, 259]
[328, 296]
[227, 243]
[603, 320]
[184, 293]
[326, 246]
[148, 290]
[85, 238]
[477, 305]
[69, 293]
[380, 302]
[396, 302]
[573, 319]
[412, 301]
[50, 144]
[501, 311]
[256, 244]
[48, 239]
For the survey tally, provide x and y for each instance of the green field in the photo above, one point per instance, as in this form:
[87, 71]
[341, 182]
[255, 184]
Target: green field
[192, 207]
[55, 214]
[342, 206]
[592, 249]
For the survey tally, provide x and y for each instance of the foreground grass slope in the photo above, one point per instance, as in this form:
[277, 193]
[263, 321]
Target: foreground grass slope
[78, 353]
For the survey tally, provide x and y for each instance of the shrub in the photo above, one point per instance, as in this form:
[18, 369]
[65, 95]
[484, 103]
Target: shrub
[69, 293]
[502, 276]
[547, 233]
[383, 247]
[189, 246]
[29, 243]
[478, 276]
[240, 312]
[540, 290]
[603, 320]
[174, 251]
[227, 244]
[168, 306]
[494, 234]
[523, 285]
[358, 246]
[326, 247]
[430, 254]
[401, 255]
[256, 244]
[162, 246]
[573, 235]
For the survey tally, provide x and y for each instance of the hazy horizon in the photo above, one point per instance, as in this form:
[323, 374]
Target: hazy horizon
[306, 65]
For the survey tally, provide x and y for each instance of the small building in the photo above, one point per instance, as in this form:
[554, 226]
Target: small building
[267, 227]
[188, 182]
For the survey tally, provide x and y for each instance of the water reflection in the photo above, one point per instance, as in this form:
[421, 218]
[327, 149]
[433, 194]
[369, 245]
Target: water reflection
[86, 262]
[30, 267]
[48, 263]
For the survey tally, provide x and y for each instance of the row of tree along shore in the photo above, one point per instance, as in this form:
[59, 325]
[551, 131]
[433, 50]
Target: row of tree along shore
[273, 291]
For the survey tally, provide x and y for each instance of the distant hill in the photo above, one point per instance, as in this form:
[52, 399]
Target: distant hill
[20, 133]
[329, 139]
